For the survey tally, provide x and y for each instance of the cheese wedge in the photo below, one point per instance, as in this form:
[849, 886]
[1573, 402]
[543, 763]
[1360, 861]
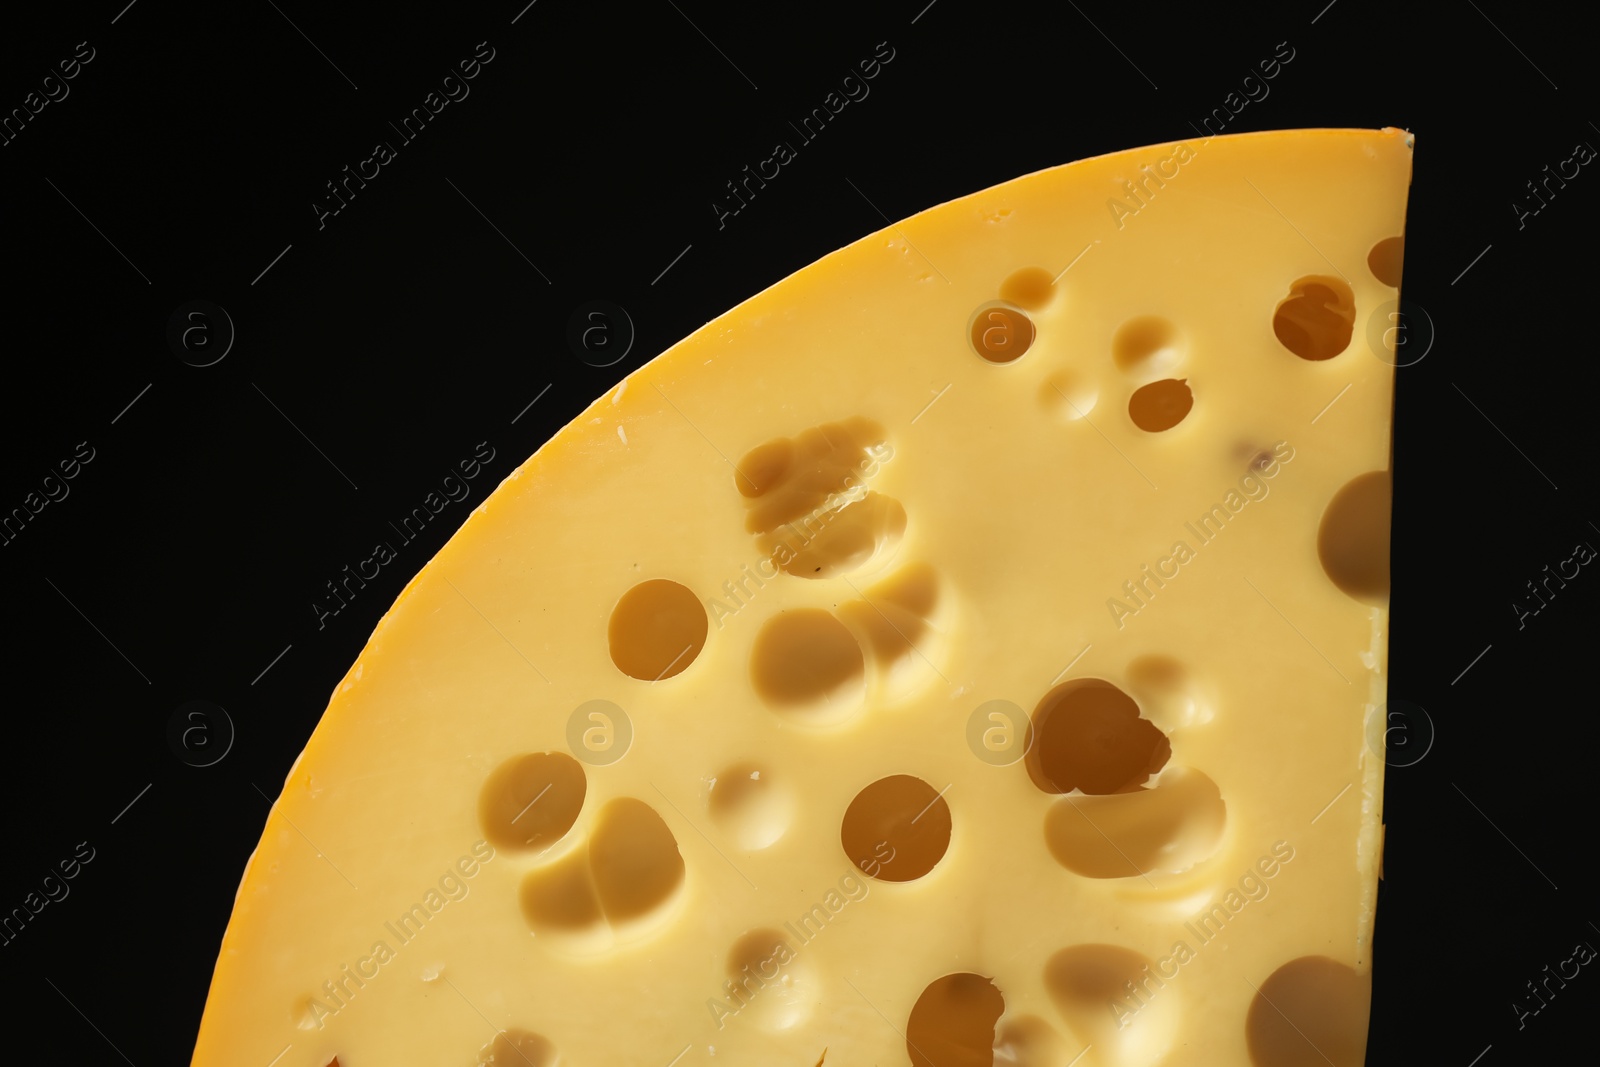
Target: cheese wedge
[961, 652]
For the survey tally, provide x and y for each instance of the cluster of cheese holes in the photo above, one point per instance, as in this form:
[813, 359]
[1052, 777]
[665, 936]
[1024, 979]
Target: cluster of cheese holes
[808, 505]
[807, 502]
[616, 881]
[816, 666]
[955, 1016]
[1316, 322]
[1147, 349]
[1093, 748]
[617, 886]
[1317, 319]
[1310, 1010]
[1001, 331]
[659, 627]
[897, 829]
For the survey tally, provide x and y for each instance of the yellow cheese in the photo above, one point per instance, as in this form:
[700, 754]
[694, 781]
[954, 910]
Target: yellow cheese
[960, 652]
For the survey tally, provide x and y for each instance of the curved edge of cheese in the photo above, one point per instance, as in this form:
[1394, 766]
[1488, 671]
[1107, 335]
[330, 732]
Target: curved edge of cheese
[946, 229]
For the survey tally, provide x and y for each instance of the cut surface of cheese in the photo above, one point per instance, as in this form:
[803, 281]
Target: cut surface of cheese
[965, 655]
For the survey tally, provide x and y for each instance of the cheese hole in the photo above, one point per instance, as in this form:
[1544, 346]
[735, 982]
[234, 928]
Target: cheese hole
[1084, 979]
[1312, 1010]
[807, 503]
[952, 1022]
[1167, 693]
[634, 860]
[620, 886]
[749, 805]
[769, 982]
[657, 629]
[1000, 334]
[763, 467]
[896, 829]
[1088, 736]
[895, 622]
[307, 1013]
[806, 662]
[559, 901]
[1316, 319]
[1068, 396]
[1029, 1041]
[1160, 405]
[517, 1048]
[1167, 829]
[845, 538]
[530, 802]
[1385, 260]
[1255, 459]
[1147, 346]
[1353, 539]
[1031, 288]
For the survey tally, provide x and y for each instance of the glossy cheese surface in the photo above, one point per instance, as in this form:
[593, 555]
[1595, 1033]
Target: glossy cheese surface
[963, 651]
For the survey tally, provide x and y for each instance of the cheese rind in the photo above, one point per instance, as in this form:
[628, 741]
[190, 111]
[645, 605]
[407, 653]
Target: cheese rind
[835, 527]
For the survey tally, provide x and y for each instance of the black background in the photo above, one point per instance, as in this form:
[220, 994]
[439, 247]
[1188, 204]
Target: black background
[410, 327]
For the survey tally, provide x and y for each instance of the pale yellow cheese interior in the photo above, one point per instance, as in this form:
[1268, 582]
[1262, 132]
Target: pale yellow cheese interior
[979, 532]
